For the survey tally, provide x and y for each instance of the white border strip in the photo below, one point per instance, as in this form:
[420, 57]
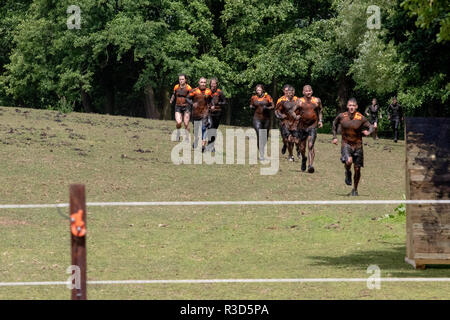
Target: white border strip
[200, 281]
[223, 203]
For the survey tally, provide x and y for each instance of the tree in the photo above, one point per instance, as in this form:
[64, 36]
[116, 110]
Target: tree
[127, 46]
[424, 86]
[430, 12]
[11, 15]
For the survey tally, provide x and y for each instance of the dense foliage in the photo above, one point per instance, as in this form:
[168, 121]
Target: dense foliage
[125, 57]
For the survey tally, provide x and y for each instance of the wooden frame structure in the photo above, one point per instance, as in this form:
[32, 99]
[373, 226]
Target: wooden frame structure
[427, 143]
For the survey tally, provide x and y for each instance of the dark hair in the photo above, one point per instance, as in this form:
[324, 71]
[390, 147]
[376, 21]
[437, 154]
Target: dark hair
[352, 100]
[259, 85]
[291, 88]
[286, 86]
[182, 75]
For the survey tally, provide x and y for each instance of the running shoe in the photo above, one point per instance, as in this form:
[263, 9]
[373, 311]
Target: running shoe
[348, 177]
[304, 163]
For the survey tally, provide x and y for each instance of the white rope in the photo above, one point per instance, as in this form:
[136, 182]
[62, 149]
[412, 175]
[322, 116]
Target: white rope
[225, 203]
[200, 281]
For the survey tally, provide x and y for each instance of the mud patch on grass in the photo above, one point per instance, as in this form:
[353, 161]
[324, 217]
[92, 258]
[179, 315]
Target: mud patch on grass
[76, 136]
[4, 221]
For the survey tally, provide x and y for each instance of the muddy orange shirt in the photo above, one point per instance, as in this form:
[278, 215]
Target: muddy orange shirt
[261, 105]
[201, 100]
[351, 128]
[309, 113]
[181, 94]
[285, 107]
[218, 100]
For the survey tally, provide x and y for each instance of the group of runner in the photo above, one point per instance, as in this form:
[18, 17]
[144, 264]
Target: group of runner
[394, 112]
[202, 105]
[299, 120]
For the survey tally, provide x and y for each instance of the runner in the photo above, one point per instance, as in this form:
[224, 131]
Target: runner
[310, 110]
[288, 120]
[395, 114]
[218, 101]
[182, 108]
[283, 98]
[262, 103]
[200, 99]
[372, 111]
[352, 127]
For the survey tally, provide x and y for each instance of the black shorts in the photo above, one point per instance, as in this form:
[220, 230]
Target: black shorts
[214, 119]
[310, 132]
[285, 133]
[357, 155]
[183, 109]
[295, 133]
[373, 120]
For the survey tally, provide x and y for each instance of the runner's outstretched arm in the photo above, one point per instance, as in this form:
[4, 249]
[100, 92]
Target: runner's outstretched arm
[370, 127]
[335, 125]
[222, 99]
[189, 100]
[320, 111]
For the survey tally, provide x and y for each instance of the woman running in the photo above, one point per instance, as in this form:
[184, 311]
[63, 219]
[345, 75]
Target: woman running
[262, 103]
[373, 111]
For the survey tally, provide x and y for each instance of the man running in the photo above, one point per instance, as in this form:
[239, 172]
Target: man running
[372, 111]
[263, 104]
[200, 99]
[395, 114]
[310, 110]
[281, 99]
[182, 108]
[218, 102]
[352, 124]
[285, 111]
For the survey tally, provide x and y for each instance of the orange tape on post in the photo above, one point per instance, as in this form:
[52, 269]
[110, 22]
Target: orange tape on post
[78, 226]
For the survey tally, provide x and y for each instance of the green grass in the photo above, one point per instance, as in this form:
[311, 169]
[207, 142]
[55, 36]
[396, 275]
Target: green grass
[128, 159]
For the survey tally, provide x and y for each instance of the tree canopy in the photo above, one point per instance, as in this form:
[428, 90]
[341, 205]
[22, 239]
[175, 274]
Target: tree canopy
[125, 55]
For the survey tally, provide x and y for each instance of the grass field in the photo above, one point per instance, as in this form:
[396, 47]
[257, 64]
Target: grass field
[128, 159]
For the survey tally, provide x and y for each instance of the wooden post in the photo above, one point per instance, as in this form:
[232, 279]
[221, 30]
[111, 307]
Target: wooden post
[78, 236]
[427, 178]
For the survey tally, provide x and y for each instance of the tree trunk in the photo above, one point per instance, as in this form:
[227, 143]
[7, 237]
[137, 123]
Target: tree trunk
[109, 99]
[342, 94]
[275, 98]
[109, 90]
[86, 100]
[166, 107]
[151, 112]
[229, 106]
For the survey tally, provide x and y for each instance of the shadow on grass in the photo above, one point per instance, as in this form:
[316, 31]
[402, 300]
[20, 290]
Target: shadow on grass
[390, 261]
[353, 198]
